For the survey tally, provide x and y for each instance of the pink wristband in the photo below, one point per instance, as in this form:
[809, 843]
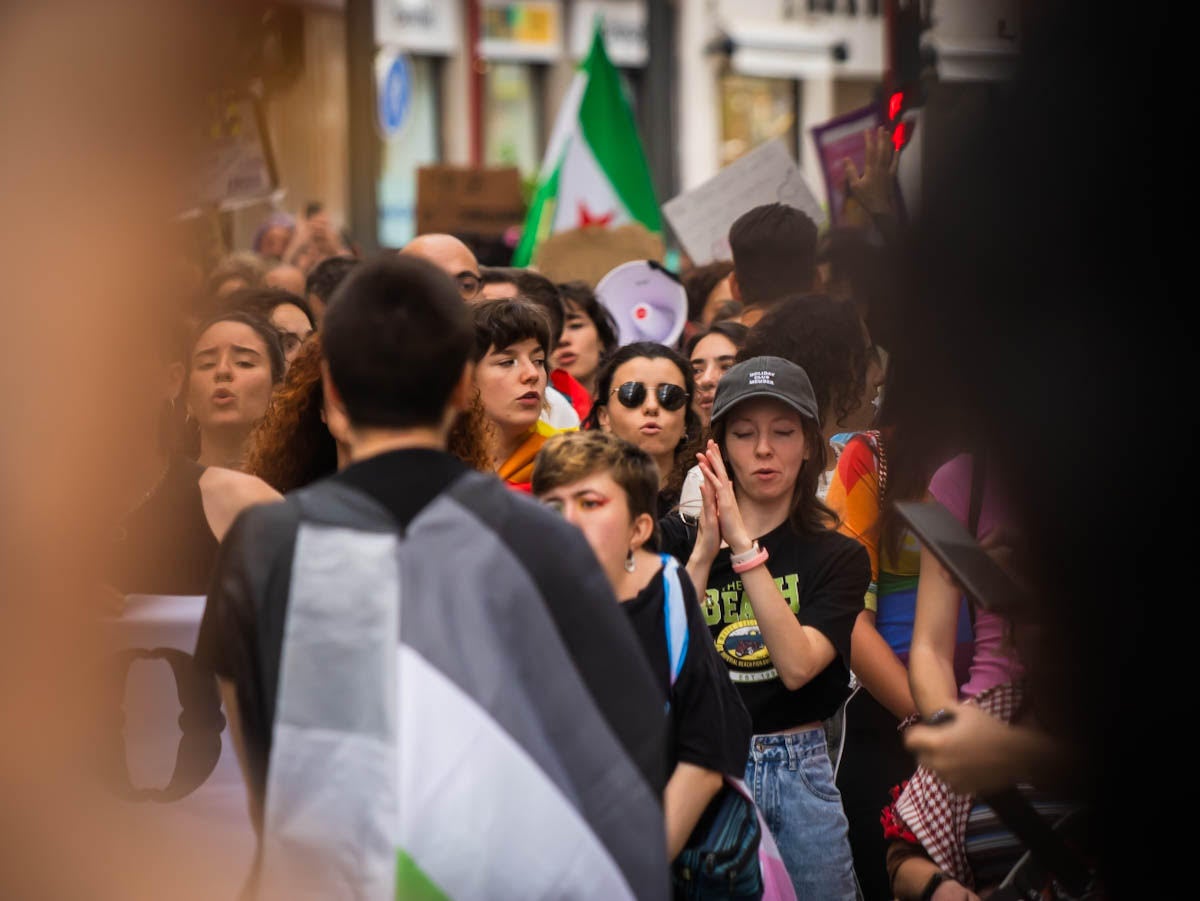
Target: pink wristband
[757, 560]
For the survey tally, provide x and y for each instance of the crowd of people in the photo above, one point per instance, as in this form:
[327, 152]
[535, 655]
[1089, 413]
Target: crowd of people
[733, 494]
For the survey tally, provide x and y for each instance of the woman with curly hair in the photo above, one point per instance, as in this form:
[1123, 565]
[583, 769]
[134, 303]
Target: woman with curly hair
[300, 441]
[295, 442]
[652, 385]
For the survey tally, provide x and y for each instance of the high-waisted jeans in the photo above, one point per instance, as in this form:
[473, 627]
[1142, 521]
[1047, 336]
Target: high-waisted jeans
[792, 781]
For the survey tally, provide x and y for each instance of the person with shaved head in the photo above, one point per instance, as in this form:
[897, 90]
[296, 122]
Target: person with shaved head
[450, 255]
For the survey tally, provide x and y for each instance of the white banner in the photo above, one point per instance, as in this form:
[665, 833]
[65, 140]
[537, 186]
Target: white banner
[172, 759]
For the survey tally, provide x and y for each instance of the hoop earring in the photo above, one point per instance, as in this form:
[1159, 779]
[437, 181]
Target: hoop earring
[630, 565]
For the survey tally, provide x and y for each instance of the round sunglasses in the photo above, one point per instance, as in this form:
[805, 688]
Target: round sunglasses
[632, 394]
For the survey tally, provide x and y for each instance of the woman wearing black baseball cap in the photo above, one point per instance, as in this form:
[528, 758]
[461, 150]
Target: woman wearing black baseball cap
[781, 591]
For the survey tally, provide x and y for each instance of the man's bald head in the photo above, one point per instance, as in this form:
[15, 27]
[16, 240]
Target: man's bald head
[450, 255]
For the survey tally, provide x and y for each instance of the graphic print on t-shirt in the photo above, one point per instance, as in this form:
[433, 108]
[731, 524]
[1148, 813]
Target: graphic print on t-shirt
[738, 640]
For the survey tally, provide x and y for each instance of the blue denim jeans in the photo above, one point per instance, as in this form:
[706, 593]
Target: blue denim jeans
[792, 781]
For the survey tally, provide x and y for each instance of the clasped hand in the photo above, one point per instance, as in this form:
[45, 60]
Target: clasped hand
[720, 519]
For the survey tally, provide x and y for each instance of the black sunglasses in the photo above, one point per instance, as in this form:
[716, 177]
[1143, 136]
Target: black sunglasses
[670, 397]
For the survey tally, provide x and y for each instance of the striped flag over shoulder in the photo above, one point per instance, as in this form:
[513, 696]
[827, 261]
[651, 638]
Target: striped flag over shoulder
[445, 723]
[594, 171]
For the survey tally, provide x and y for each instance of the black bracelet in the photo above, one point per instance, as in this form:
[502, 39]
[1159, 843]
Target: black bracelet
[932, 885]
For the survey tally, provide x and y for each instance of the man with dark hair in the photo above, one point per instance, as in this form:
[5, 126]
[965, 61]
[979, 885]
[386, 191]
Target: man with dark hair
[323, 280]
[412, 681]
[774, 255]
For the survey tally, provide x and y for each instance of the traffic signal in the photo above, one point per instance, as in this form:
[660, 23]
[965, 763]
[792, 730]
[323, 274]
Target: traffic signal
[900, 130]
[902, 84]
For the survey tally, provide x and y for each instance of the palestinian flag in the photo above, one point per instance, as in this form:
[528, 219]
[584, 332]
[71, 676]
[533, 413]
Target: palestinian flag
[462, 712]
[594, 171]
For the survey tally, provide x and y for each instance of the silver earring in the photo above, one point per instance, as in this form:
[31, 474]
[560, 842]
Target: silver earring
[630, 566]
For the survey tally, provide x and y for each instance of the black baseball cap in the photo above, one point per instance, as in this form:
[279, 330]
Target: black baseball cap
[766, 377]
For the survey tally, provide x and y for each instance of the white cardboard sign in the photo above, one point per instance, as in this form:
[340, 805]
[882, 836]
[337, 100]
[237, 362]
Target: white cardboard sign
[701, 217]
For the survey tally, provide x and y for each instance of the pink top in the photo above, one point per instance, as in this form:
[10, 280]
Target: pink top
[994, 661]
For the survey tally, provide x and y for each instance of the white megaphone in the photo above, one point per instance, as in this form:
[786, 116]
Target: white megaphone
[647, 302]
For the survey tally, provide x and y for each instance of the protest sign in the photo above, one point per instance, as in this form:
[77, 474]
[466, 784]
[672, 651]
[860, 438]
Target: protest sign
[838, 140]
[168, 758]
[701, 217]
[466, 200]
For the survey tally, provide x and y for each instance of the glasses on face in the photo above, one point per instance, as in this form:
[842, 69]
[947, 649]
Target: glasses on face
[468, 284]
[291, 342]
[670, 397]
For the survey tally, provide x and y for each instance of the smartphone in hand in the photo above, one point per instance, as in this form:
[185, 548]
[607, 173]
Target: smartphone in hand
[982, 578]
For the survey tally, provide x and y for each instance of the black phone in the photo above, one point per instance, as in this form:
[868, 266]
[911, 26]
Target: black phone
[982, 578]
[312, 208]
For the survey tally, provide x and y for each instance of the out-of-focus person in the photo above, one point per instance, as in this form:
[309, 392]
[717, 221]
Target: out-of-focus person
[165, 541]
[589, 335]
[273, 235]
[707, 289]
[234, 363]
[288, 312]
[643, 394]
[298, 440]
[235, 272]
[323, 280]
[774, 250]
[450, 255]
[712, 352]
[285, 277]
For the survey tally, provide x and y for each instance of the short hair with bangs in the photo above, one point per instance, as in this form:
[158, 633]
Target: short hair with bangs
[571, 456]
[507, 321]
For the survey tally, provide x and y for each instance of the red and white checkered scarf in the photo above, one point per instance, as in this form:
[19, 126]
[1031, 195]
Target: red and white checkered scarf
[936, 815]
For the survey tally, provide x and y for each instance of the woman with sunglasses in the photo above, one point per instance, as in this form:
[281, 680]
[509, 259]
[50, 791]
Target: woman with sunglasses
[608, 488]
[781, 593]
[642, 394]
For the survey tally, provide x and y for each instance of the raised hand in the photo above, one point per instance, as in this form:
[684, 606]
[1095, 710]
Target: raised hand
[873, 188]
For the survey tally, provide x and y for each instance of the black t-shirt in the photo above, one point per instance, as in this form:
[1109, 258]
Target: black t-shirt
[166, 546]
[823, 577]
[710, 726]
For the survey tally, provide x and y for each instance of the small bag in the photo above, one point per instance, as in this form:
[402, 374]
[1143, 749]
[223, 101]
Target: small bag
[723, 863]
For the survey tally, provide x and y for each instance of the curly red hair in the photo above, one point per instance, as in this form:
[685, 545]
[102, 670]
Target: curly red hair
[291, 446]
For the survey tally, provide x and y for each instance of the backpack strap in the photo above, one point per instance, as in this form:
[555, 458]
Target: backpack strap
[674, 616]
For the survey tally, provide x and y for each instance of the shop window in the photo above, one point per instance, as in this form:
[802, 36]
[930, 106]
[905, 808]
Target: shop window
[754, 111]
[512, 128]
[416, 144]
